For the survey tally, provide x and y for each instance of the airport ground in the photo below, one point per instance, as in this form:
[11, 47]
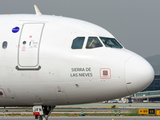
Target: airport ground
[84, 118]
[92, 106]
[120, 105]
[94, 111]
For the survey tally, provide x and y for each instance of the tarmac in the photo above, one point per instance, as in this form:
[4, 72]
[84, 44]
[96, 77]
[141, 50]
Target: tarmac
[120, 105]
[84, 118]
[87, 108]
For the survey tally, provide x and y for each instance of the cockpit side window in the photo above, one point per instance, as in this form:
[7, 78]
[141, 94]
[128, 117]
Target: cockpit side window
[93, 42]
[110, 42]
[78, 43]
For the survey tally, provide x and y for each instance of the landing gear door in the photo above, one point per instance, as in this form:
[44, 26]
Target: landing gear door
[29, 46]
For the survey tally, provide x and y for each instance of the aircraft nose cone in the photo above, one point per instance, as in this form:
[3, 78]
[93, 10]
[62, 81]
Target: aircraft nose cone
[138, 74]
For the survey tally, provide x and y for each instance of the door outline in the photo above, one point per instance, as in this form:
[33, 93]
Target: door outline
[37, 66]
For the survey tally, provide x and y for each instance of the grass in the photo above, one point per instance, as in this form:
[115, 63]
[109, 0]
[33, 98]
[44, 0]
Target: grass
[132, 112]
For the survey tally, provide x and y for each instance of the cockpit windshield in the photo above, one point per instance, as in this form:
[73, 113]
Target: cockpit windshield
[110, 42]
[93, 42]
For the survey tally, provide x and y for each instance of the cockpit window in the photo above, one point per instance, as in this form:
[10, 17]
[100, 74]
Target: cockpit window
[78, 43]
[93, 42]
[110, 42]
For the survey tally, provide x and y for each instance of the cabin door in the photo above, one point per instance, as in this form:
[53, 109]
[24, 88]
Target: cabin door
[29, 46]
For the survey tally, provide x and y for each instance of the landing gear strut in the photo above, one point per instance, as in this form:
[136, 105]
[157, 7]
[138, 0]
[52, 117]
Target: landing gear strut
[42, 111]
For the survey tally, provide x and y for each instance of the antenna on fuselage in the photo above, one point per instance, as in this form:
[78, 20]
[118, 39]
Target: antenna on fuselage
[37, 10]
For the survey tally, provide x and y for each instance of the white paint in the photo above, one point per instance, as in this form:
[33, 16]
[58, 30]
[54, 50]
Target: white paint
[129, 73]
[29, 44]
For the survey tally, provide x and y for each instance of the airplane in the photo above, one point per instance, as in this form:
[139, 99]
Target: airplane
[49, 60]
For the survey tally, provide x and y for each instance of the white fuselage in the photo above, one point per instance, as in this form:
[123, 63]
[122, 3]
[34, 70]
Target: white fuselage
[39, 67]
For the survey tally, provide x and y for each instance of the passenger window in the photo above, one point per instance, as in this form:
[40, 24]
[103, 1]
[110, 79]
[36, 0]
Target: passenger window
[93, 42]
[78, 43]
[4, 45]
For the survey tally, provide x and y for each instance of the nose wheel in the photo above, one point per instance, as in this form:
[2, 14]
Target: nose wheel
[41, 112]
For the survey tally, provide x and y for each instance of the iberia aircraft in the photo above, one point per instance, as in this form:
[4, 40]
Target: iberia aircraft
[49, 60]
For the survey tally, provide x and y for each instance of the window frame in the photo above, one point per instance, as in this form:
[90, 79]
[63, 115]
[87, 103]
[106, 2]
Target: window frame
[111, 38]
[94, 47]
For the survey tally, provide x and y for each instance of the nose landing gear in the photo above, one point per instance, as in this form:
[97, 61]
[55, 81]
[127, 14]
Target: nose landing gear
[41, 112]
